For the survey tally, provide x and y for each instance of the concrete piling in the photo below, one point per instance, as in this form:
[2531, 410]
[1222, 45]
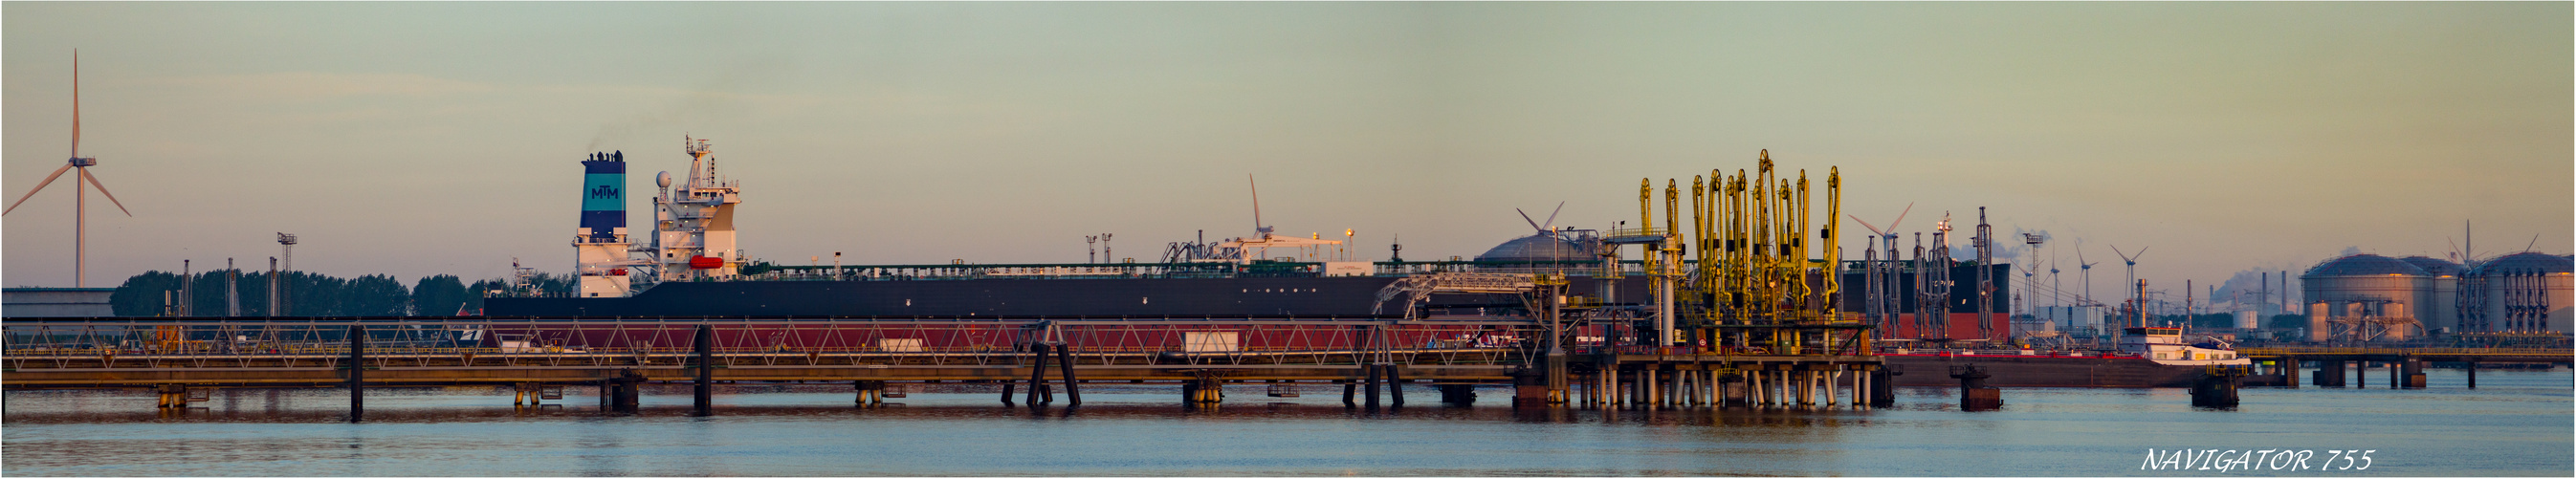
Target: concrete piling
[2329, 373]
[1370, 389]
[1064, 360]
[704, 398]
[1394, 385]
[870, 392]
[1037, 373]
[357, 374]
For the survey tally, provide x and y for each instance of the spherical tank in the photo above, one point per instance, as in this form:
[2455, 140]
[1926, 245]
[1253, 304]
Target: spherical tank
[1538, 248]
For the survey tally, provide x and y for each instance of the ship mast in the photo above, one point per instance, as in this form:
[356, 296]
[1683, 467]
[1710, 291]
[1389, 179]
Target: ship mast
[694, 224]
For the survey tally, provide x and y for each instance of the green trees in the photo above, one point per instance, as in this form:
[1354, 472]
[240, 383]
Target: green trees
[317, 295]
[442, 295]
[373, 295]
[142, 295]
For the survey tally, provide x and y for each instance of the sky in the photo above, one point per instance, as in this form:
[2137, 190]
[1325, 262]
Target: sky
[444, 138]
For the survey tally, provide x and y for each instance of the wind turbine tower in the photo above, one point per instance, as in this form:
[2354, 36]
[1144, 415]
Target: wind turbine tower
[2087, 273]
[2136, 299]
[2034, 240]
[80, 196]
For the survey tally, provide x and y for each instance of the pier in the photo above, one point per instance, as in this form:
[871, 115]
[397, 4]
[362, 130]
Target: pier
[2280, 366]
[1042, 357]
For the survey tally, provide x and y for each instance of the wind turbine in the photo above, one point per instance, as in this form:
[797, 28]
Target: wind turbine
[2056, 291]
[1543, 228]
[2031, 287]
[2132, 260]
[80, 198]
[2087, 273]
[1882, 295]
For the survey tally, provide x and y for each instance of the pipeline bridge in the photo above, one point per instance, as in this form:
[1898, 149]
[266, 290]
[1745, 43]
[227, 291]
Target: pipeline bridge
[883, 356]
[2280, 366]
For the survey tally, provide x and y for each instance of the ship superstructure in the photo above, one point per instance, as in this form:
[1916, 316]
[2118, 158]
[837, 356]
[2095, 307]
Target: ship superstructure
[2165, 345]
[693, 224]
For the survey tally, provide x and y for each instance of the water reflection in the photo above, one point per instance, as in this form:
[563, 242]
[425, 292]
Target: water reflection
[1144, 430]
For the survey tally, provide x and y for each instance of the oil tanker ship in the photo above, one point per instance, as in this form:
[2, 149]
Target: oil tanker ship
[691, 266]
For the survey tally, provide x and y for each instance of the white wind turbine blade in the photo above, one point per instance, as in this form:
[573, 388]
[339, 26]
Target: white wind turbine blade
[102, 190]
[1560, 207]
[1533, 224]
[1865, 224]
[1256, 203]
[75, 104]
[49, 180]
[1900, 217]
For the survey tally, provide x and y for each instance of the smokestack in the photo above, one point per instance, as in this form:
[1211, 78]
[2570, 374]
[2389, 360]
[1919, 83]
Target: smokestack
[603, 201]
[232, 289]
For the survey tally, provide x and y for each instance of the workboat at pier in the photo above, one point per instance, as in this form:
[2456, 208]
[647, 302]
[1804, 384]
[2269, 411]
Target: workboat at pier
[2145, 357]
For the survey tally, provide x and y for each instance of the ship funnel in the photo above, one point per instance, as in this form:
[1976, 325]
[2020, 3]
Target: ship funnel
[603, 199]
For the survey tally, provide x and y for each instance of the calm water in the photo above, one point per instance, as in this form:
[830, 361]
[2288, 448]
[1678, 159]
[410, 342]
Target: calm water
[2516, 423]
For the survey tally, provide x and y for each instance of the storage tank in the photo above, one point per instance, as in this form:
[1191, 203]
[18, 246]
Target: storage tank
[2441, 308]
[2527, 292]
[2247, 319]
[2356, 284]
[2317, 322]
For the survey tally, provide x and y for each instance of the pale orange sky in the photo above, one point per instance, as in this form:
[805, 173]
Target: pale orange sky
[414, 139]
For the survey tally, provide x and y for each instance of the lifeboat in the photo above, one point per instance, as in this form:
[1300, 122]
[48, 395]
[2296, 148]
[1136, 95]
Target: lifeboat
[704, 262]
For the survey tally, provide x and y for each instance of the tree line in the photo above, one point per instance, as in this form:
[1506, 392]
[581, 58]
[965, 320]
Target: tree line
[308, 294]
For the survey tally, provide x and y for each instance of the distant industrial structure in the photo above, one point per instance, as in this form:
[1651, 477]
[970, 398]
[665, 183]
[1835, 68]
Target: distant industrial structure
[2367, 297]
[57, 302]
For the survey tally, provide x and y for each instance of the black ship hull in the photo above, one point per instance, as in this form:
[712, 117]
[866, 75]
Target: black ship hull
[1303, 296]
